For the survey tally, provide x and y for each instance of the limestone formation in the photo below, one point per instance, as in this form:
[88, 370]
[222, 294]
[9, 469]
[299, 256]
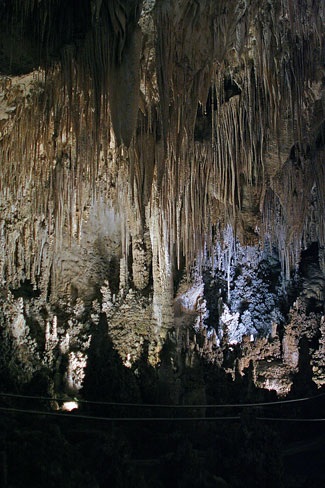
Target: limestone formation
[162, 163]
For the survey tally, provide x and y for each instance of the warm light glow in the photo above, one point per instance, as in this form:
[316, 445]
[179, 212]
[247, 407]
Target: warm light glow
[68, 406]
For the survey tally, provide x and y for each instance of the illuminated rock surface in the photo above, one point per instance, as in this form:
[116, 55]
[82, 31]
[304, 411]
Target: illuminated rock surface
[136, 143]
[162, 241]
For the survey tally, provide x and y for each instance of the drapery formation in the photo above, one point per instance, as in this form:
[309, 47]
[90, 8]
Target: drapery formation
[192, 114]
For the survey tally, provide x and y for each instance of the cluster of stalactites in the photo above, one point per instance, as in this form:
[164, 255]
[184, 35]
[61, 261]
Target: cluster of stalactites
[294, 209]
[261, 104]
[249, 66]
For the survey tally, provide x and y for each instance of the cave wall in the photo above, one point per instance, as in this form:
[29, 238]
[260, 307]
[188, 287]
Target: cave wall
[138, 142]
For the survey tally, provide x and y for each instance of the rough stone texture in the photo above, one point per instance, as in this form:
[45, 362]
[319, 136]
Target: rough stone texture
[318, 357]
[141, 262]
[81, 266]
[273, 360]
[220, 106]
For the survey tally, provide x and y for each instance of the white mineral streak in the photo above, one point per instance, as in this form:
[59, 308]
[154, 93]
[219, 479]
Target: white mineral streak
[75, 371]
[162, 274]
[107, 303]
[191, 300]
[51, 335]
[18, 326]
[290, 349]
[230, 323]
[318, 358]
[65, 344]
[140, 268]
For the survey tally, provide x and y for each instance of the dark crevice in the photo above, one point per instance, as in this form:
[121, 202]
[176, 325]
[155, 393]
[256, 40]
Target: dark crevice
[231, 89]
[26, 291]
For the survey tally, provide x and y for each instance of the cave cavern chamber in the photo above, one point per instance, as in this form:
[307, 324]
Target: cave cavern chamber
[162, 227]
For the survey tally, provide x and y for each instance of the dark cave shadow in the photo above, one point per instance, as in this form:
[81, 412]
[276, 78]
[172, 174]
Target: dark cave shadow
[179, 452]
[303, 384]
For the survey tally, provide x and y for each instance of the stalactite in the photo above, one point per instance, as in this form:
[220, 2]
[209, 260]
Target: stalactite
[250, 68]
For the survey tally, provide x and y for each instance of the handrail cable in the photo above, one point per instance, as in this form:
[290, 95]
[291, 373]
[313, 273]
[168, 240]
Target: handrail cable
[155, 405]
[112, 419]
[150, 419]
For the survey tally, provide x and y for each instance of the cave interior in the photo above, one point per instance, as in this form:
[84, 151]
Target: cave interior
[162, 257]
